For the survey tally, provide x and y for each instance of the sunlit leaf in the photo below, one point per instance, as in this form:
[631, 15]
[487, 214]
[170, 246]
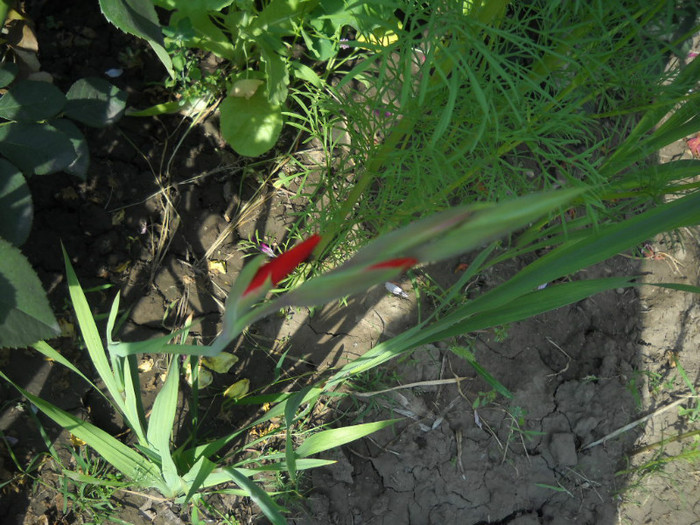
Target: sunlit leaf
[251, 126]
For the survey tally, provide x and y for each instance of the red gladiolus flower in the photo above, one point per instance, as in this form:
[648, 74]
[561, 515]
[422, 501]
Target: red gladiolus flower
[280, 267]
[403, 262]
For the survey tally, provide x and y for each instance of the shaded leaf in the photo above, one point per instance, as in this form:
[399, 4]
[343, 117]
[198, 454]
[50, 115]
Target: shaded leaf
[138, 18]
[8, 72]
[25, 314]
[36, 148]
[30, 101]
[81, 162]
[16, 208]
[95, 102]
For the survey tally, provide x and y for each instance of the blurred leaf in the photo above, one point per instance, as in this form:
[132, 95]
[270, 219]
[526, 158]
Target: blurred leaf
[304, 72]
[138, 18]
[81, 162]
[238, 389]
[25, 314]
[221, 363]
[251, 126]
[8, 72]
[36, 148]
[16, 208]
[95, 102]
[30, 101]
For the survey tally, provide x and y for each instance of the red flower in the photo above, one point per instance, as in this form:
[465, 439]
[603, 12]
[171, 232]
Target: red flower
[403, 262]
[280, 267]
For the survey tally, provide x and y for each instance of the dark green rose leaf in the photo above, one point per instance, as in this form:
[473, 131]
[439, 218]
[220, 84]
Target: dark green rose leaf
[30, 101]
[16, 208]
[95, 102]
[36, 148]
[25, 314]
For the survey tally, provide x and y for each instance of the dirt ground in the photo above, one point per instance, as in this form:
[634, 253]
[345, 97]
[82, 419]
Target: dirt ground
[579, 374]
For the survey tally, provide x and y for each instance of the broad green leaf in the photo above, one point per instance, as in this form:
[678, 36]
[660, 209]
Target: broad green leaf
[335, 437]
[81, 162]
[250, 125]
[304, 72]
[16, 208]
[138, 18]
[160, 427]
[30, 101]
[208, 35]
[276, 72]
[95, 102]
[8, 72]
[116, 453]
[36, 148]
[25, 314]
[261, 498]
[278, 16]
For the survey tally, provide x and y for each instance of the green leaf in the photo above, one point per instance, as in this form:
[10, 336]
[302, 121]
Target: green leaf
[335, 437]
[277, 74]
[8, 72]
[258, 495]
[290, 409]
[196, 477]
[160, 426]
[31, 101]
[25, 314]
[468, 356]
[16, 208]
[36, 148]
[95, 102]
[138, 18]
[116, 453]
[91, 336]
[304, 72]
[251, 126]
[81, 162]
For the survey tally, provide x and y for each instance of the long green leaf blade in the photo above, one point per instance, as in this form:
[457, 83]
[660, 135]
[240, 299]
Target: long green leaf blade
[160, 426]
[258, 495]
[91, 336]
[335, 437]
[117, 454]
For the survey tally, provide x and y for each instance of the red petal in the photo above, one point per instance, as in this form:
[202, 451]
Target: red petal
[404, 263]
[280, 267]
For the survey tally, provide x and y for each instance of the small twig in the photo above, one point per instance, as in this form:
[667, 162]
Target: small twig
[563, 352]
[633, 424]
[412, 385]
[664, 442]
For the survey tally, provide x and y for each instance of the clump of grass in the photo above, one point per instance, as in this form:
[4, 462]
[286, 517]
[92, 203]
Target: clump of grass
[480, 104]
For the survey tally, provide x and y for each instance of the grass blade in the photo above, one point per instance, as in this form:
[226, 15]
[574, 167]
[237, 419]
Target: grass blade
[117, 454]
[258, 495]
[335, 437]
[160, 427]
[91, 336]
